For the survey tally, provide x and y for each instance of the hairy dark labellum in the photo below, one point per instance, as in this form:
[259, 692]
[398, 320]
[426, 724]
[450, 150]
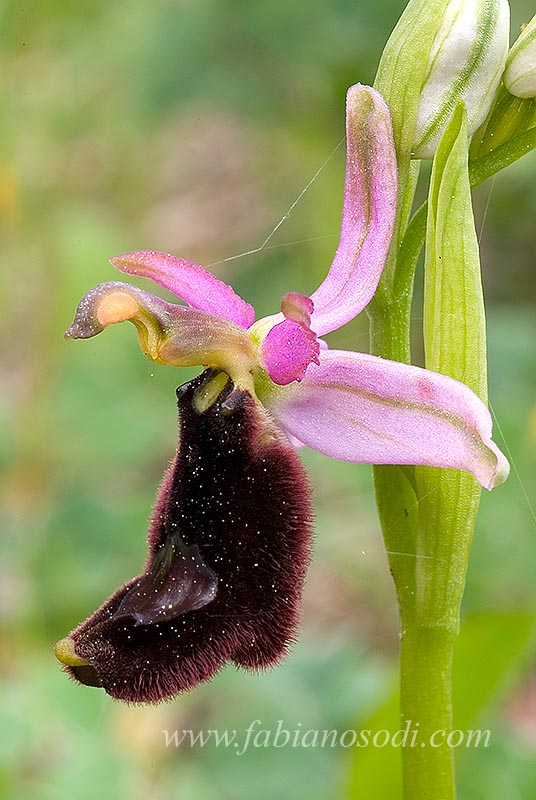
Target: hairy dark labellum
[229, 543]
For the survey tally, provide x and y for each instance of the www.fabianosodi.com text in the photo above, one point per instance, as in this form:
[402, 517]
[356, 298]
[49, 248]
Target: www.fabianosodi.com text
[255, 736]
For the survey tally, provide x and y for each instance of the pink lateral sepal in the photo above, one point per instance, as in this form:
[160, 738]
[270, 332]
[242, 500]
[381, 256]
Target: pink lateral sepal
[195, 285]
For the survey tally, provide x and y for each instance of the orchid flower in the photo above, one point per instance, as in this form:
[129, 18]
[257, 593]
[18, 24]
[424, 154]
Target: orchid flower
[229, 538]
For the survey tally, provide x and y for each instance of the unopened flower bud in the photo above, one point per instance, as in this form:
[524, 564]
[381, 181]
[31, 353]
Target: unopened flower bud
[520, 74]
[441, 53]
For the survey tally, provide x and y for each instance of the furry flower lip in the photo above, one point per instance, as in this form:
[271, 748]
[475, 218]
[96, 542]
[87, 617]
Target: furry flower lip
[229, 543]
[282, 384]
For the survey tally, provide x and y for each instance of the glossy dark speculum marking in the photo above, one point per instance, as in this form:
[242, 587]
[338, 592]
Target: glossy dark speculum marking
[229, 544]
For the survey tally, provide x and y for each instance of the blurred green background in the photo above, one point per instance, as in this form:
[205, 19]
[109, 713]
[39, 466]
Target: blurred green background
[191, 126]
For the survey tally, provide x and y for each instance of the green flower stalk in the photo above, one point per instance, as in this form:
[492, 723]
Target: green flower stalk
[455, 343]
[441, 74]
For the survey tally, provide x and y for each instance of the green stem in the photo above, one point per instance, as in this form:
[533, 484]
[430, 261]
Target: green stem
[389, 317]
[427, 533]
[426, 706]
[428, 515]
[430, 622]
[427, 558]
[426, 643]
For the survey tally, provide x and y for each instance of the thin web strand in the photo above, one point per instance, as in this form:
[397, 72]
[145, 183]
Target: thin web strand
[402, 517]
[486, 209]
[524, 493]
[286, 215]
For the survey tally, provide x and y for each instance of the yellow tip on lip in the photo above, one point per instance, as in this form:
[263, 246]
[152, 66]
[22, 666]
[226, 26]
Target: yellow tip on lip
[65, 653]
[116, 307]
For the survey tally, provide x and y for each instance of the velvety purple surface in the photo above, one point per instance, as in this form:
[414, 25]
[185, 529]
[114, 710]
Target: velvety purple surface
[236, 498]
